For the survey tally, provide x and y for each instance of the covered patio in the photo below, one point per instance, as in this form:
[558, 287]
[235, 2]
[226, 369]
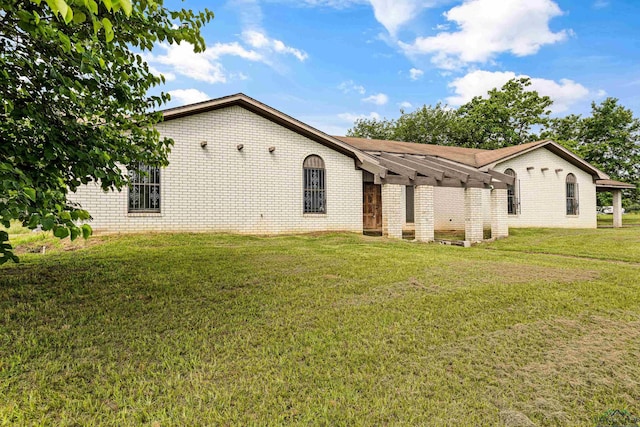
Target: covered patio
[383, 206]
[615, 187]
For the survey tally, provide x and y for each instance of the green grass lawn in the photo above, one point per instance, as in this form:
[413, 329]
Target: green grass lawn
[631, 219]
[542, 328]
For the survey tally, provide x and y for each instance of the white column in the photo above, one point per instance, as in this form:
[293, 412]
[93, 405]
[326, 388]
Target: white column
[424, 215]
[392, 211]
[499, 214]
[617, 208]
[473, 218]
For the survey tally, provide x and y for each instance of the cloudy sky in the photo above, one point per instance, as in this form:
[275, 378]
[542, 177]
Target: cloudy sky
[328, 62]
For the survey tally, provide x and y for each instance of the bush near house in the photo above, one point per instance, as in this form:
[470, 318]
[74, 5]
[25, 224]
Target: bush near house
[330, 329]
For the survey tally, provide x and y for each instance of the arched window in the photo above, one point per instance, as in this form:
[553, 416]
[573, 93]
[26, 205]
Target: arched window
[314, 199]
[572, 195]
[512, 194]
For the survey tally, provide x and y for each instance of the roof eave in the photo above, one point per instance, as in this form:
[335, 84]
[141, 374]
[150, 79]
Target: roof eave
[273, 115]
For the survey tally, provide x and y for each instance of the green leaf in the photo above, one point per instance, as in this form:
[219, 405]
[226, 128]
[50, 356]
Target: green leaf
[83, 215]
[126, 6]
[30, 193]
[60, 232]
[62, 8]
[79, 18]
[86, 231]
[68, 17]
[108, 29]
[48, 223]
[75, 232]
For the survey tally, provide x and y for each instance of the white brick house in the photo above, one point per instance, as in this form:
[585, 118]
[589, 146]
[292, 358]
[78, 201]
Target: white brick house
[241, 166]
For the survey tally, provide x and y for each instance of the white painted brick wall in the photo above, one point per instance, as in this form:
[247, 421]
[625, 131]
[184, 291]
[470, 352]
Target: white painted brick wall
[542, 196]
[473, 214]
[392, 210]
[424, 213]
[222, 189]
[543, 193]
[499, 214]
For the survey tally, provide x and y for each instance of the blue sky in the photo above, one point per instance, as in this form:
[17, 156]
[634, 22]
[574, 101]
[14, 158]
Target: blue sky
[327, 62]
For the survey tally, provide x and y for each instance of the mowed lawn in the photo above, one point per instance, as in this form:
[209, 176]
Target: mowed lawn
[542, 328]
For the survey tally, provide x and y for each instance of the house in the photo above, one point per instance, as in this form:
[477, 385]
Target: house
[552, 186]
[241, 166]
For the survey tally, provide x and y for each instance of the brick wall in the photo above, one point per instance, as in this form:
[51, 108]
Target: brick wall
[393, 210]
[219, 188]
[543, 193]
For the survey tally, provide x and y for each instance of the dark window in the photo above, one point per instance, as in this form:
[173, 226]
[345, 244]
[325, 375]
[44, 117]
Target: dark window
[512, 194]
[572, 195]
[144, 189]
[314, 185]
[410, 204]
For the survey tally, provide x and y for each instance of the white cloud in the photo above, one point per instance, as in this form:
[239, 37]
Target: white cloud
[259, 40]
[231, 49]
[415, 73]
[181, 59]
[188, 96]
[350, 117]
[405, 104]
[378, 99]
[564, 92]
[393, 14]
[349, 86]
[487, 28]
[600, 4]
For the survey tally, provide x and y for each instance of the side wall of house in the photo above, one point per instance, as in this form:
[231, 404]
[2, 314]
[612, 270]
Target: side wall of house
[543, 192]
[542, 195]
[220, 188]
[449, 208]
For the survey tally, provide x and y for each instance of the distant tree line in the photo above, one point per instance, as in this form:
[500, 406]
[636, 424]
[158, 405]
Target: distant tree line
[609, 138]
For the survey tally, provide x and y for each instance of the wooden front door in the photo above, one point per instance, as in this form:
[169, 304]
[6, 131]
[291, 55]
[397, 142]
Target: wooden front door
[372, 206]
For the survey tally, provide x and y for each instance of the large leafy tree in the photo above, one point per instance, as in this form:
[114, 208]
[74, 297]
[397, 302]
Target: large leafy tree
[74, 103]
[373, 129]
[609, 139]
[508, 116]
[427, 125]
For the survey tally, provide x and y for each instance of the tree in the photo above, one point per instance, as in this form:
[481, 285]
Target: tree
[426, 125]
[373, 129]
[566, 131]
[610, 139]
[74, 107]
[508, 116]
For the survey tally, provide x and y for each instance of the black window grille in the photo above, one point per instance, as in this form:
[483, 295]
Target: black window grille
[572, 195]
[144, 189]
[512, 194]
[314, 185]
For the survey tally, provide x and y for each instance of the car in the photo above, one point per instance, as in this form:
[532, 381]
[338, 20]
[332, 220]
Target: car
[608, 210]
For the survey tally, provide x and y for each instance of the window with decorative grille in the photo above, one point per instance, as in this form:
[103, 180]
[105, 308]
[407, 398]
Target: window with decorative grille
[572, 195]
[144, 189]
[314, 197]
[512, 194]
